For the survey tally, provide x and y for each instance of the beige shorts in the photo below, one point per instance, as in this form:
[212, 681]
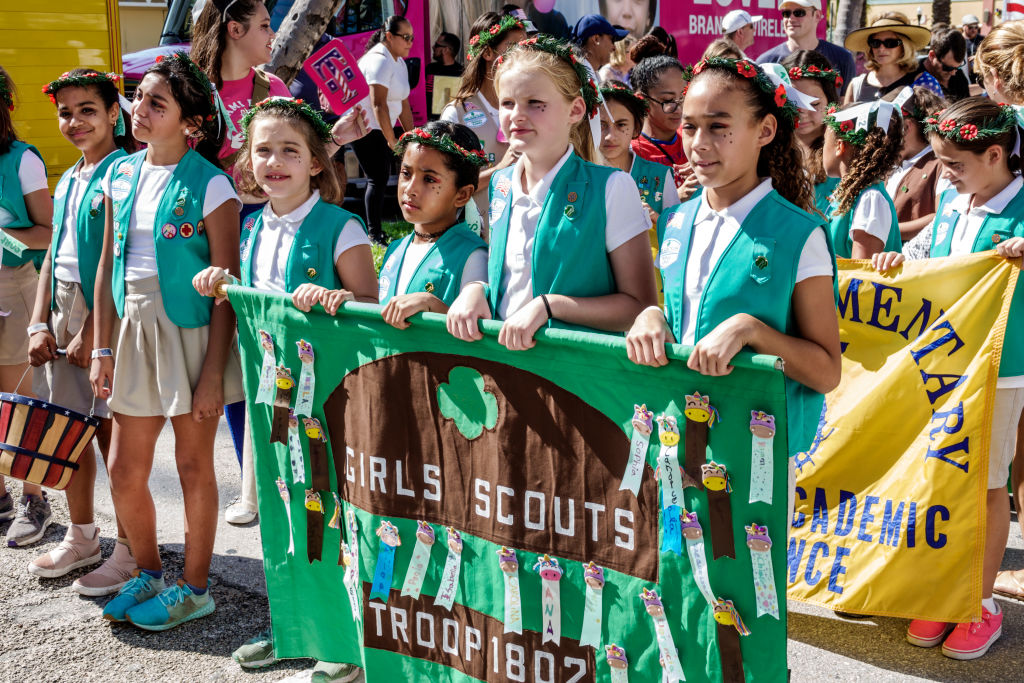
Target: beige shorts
[60, 382]
[1003, 444]
[156, 363]
[17, 298]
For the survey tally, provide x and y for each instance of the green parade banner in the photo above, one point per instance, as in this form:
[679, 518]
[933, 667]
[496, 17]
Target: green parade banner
[433, 509]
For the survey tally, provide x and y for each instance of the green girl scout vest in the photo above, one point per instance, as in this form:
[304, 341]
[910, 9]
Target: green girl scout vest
[311, 258]
[12, 201]
[89, 226]
[179, 232]
[839, 226]
[755, 275]
[995, 229]
[823, 195]
[569, 255]
[473, 114]
[440, 271]
[650, 180]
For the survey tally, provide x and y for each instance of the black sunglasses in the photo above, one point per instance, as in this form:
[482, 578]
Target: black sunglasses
[798, 13]
[950, 69]
[890, 43]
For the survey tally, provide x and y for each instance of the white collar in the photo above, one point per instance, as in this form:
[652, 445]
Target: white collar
[77, 173]
[996, 204]
[297, 215]
[917, 157]
[738, 210]
[540, 190]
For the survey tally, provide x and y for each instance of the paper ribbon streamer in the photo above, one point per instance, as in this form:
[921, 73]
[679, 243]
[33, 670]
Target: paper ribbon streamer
[335, 522]
[671, 538]
[353, 538]
[694, 535]
[286, 496]
[869, 114]
[669, 473]
[671, 667]
[760, 545]
[351, 579]
[902, 98]
[778, 75]
[265, 390]
[700, 417]
[298, 460]
[509, 565]
[730, 628]
[551, 600]
[452, 566]
[762, 463]
[314, 525]
[643, 425]
[413, 583]
[282, 405]
[617, 663]
[307, 382]
[716, 480]
[593, 609]
[389, 540]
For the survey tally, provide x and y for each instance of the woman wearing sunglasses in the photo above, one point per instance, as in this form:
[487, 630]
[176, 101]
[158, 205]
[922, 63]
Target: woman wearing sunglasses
[890, 43]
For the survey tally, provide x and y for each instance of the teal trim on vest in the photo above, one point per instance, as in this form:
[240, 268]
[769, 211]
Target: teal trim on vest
[755, 275]
[12, 199]
[839, 226]
[650, 180]
[996, 228]
[569, 255]
[89, 226]
[311, 257]
[440, 271]
[179, 233]
[823, 195]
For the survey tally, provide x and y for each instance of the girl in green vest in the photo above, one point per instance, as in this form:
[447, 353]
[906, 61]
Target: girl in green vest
[426, 269]
[568, 237]
[862, 145]
[26, 214]
[976, 141]
[90, 116]
[813, 75]
[170, 212]
[745, 265]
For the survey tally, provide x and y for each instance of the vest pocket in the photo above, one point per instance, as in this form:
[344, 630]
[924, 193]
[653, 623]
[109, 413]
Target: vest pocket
[761, 260]
[310, 259]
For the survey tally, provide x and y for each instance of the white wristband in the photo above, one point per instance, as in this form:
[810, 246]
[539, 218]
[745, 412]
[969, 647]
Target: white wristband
[37, 327]
[102, 353]
[655, 308]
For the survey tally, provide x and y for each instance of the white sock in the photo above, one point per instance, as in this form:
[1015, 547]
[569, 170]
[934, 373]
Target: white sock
[87, 530]
[990, 605]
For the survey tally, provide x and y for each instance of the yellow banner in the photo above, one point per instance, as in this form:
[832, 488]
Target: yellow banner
[890, 498]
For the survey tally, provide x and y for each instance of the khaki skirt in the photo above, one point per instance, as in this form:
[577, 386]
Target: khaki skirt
[156, 363]
[17, 297]
[60, 382]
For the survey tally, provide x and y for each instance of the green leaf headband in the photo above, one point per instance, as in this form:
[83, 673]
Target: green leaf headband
[614, 88]
[320, 127]
[66, 80]
[748, 69]
[798, 72]
[215, 100]
[563, 50]
[492, 33]
[958, 131]
[442, 143]
[852, 124]
[5, 93]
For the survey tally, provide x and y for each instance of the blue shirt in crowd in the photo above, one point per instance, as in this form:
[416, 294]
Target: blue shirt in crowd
[840, 58]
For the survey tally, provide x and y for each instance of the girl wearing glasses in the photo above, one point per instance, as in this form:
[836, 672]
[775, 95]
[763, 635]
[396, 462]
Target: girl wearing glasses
[890, 44]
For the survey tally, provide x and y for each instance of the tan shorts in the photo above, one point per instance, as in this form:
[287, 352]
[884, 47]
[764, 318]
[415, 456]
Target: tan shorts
[1003, 444]
[156, 363]
[17, 297]
[60, 382]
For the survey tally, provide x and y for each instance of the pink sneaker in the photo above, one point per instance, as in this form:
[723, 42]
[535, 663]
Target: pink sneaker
[73, 552]
[973, 639]
[109, 576]
[927, 633]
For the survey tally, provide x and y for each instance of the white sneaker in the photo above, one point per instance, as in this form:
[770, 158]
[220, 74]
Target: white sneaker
[239, 513]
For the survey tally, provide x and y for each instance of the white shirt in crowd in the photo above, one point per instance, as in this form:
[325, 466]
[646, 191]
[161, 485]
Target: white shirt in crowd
[893, 183]
[65, 266]
[625, 219]
[714, 231]
[274, 242]
[451, 114]
[475, 269]
[871, 214]
[381, 68]
[31, 176]
[140, 248]
[668, 198]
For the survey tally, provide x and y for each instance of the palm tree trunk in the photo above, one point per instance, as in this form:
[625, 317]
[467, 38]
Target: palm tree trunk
[306, 22]
[940, 11]
[849, 16]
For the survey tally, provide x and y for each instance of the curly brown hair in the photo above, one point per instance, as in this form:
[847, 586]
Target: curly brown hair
[872, 163]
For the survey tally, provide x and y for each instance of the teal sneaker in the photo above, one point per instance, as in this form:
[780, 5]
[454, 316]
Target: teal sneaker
[330, 672]
[174, 606]
[140, 588]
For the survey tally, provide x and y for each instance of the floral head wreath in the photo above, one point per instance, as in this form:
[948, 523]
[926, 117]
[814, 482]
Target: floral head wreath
[6, 97]
[442, 143]
[614, 88]
[748, 69]
[491, 34]
[958, 131]
[853, 123]
[216, 103]
[563, 50]
[66, 80]
[320, 127]
[798, 72]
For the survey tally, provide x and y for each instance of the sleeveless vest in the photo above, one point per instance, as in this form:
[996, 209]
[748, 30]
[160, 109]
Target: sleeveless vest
[915, 195]
[839, 226]
[12, 200]
[440, 271]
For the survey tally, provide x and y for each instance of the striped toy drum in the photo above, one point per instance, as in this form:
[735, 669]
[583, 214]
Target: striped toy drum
[41, 442]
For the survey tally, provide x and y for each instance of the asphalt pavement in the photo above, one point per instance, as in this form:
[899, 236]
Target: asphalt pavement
[50, 633]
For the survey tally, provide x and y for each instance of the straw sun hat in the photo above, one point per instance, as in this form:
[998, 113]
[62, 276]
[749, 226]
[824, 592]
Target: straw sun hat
[857, 41]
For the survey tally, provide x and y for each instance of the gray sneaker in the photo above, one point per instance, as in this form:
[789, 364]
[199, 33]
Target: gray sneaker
[330, 672]
[257, 652]
[6, 507]
[30, 522]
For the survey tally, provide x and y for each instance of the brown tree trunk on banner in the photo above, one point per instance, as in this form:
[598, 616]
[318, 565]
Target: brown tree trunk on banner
[940, 12]
[306, 22]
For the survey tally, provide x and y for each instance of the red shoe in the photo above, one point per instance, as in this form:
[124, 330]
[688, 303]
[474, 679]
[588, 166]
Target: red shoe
[973, 639]
[927, 633]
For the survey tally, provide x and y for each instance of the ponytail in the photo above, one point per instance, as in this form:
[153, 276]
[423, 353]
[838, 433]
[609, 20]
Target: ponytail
[391, 25]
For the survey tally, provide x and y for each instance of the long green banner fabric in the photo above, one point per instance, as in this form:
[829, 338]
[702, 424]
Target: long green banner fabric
[439, 510]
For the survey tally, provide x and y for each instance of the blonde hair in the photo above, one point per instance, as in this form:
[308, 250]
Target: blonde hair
[1003, 50]
[535, 61]
[907, 62]
[723, 47]
[620, 52]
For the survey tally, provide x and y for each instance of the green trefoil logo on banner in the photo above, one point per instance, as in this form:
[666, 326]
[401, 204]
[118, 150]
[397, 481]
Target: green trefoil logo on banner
[463, 400]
